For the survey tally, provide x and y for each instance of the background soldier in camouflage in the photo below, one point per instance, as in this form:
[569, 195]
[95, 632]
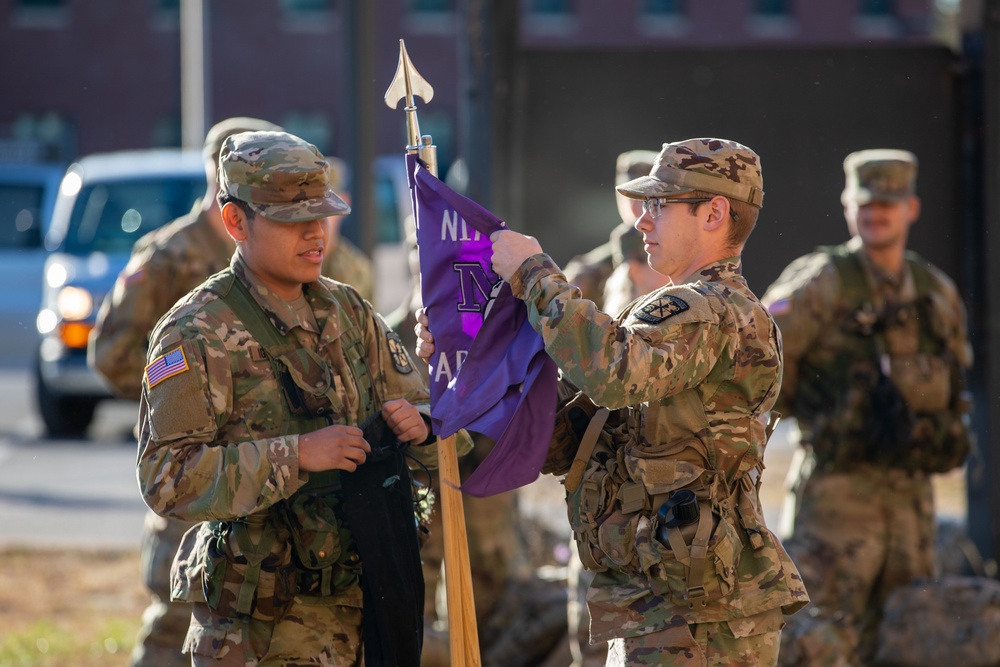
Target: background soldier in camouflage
[590, 272]
[256, 385]
[690, 373]
[875, 347]
[165, 265]
[611, 275]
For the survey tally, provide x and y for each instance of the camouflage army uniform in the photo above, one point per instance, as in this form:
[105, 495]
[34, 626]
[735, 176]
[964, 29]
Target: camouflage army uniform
[224, 414]
[602, 275]
[166, 264]
[865, 522]
[690, 372]
[697, 385]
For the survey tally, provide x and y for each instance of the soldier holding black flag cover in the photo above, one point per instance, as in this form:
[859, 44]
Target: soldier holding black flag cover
[277, 409]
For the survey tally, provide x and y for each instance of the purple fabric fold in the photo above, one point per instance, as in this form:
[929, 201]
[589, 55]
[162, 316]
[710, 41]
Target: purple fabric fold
[490, 373]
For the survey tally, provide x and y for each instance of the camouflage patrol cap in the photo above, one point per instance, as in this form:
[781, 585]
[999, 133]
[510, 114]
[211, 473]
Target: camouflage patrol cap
[280, 176]
[879, 174]
[711, 165]
[218, 133]
[339, 174]
[626, 243]
[633, 164]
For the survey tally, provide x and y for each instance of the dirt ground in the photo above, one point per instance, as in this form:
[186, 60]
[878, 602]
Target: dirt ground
[68, 608]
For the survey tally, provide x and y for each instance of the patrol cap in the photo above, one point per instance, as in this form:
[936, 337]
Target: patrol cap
[280, 176]
[718, 166]
[626, 243]
[633, 164]
[340, 175]
[218, 133]
[879, 174]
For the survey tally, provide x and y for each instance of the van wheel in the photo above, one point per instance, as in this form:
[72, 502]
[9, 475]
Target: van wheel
[63, 416]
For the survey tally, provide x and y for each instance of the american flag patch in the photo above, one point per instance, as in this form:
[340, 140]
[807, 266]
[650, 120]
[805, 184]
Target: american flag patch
[167, 365]
[780, 307]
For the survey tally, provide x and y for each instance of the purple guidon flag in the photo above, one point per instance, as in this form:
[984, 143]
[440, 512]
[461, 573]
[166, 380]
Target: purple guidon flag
[490, 373]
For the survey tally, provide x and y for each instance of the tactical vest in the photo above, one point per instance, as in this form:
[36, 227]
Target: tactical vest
[623, 503]
[300, 545]
[868, 406]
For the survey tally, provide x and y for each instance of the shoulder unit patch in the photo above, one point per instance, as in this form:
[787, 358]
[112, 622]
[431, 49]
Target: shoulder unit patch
[400, 359]
[660, 308]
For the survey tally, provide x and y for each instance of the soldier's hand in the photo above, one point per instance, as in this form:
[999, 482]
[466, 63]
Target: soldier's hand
[425, 339]
[405, 421]
[510, 249]
[336, 447]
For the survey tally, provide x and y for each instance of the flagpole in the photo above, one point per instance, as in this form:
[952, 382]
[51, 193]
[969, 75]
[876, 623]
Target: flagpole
[463, 636]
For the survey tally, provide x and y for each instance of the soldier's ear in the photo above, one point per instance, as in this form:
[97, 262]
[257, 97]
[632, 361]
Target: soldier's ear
[914, 205]
[235, 221]
[718, 213]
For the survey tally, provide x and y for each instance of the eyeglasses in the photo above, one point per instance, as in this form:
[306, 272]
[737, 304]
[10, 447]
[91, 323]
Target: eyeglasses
[653, 207]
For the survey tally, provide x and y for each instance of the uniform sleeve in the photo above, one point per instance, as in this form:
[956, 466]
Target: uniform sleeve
[397, 377]
[951, 319]
[117, 348]
[348, 264]
[185, 469]
[802, 302]
[618, 363]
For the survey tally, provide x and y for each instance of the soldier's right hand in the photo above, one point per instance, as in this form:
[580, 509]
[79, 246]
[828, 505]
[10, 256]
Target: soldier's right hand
[333, 447]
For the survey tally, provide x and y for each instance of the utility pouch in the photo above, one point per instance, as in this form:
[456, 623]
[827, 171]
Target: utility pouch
[318, 541]
[248, 569]
[572, 420]
[187, 572]
[587, 505]
[698, 562]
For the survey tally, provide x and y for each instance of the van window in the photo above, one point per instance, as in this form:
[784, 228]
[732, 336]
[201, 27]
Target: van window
[21, 215]
[109, 217]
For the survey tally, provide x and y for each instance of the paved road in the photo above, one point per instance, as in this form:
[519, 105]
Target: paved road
[65, 492]
[84, 492]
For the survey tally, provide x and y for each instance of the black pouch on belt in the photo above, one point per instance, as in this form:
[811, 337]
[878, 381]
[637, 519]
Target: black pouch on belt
[378, 506]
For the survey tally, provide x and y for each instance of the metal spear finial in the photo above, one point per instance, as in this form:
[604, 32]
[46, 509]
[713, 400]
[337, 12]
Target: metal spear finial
[406, 85]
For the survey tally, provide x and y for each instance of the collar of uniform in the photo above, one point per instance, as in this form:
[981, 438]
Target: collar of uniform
[716, 271]
[279, 311]
[221, 245]
[890, 286]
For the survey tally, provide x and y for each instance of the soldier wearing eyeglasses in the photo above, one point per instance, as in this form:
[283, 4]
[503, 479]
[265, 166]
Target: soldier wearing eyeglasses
[663, 445]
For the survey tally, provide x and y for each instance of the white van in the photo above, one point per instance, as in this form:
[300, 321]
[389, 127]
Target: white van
[27, 196]
[105, 203]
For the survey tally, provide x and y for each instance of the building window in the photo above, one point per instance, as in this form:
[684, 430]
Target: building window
[549, 7]
[432, 6]
[771, 7]
[44, 14]
[662, 7]
[313, 126]
[875, 7]
[307, 7]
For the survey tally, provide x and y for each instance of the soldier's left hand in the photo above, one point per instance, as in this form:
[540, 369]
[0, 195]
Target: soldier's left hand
[510, 249]
[405, 420]
[425, 339]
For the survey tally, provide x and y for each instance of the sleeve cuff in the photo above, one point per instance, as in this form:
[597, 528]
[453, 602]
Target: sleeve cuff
[530, 272]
